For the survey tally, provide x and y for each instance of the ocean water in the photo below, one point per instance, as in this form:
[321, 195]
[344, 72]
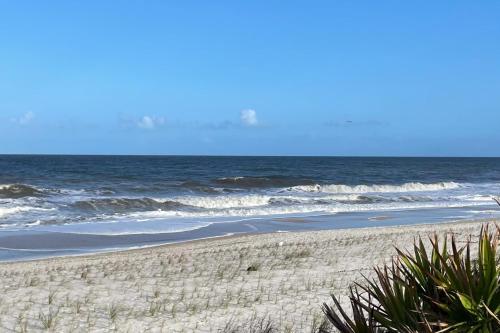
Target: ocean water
[124, 195]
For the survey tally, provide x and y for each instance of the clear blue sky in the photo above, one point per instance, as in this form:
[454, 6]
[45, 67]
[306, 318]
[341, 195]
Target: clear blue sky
[250, 77]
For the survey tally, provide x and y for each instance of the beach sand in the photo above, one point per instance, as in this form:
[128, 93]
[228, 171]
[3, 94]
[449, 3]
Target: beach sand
[204, 286]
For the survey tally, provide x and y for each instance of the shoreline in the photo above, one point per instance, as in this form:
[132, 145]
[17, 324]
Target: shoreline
[33, 244]
[180, 243]
[132, 249]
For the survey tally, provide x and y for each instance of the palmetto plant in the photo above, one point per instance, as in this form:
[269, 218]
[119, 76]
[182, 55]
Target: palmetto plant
[444, 289]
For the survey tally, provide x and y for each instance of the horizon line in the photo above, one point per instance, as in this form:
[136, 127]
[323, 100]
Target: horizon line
[229, 155]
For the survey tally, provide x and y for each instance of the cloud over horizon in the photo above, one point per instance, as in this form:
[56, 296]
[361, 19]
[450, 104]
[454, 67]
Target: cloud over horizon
[25, 118]
[150, 122]
[248, 117]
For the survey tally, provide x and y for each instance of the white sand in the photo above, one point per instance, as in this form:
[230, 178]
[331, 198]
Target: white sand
[199, 286]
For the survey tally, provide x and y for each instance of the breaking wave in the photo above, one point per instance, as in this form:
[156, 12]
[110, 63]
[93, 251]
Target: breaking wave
[223, 203]
[314, 209]
[227, 201]
[4, 211]
[263, 196]
[407, 187]
[15, 191]
[119, 205]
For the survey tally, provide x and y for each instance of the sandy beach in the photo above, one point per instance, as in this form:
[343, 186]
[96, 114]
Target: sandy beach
[228, 167]
[214, 285]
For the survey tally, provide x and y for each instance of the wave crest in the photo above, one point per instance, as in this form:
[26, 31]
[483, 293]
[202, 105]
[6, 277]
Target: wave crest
[407, 187]
[5, 211]
[120, 205]
[222, 202]
[15, 191]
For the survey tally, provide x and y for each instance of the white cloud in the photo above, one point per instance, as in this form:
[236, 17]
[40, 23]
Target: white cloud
[25, 118]
[249, 117]
[148, 122]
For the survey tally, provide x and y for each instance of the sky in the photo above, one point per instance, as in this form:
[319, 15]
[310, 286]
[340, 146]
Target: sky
[355, 78]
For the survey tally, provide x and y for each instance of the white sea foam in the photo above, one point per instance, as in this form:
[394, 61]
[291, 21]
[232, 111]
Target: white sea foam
[487, 211]
[227, 201]
[296, 209]
[32, 224]
[476, 198]
[5, 211]
[407, 187]
[127, 227]
[256, 200]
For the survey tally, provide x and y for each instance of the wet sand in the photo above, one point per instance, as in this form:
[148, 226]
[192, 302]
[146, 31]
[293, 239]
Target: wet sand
[35, 243]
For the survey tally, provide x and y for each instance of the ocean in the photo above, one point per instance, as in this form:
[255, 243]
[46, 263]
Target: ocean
[51, 205]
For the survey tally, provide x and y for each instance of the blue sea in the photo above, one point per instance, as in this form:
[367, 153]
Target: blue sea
[77, 204]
